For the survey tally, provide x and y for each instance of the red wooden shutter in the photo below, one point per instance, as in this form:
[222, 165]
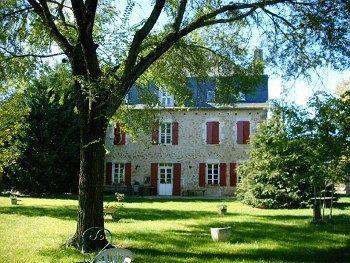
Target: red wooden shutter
[246, 132]
[209, 132]
[177, 179]
[233, 174]
[201, 181]
[155, 135]
[154, 175]
[127, 174]
[215, 132]
[175, 133]
[240, 132]
[119, 135]
[223, 174]
[108, 177]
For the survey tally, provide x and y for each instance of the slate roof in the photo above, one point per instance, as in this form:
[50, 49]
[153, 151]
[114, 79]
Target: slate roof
[199, 90]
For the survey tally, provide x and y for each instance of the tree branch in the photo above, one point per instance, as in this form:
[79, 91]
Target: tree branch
[15, 55]
[140, 35]
[172, 38]
[91, 6]
[279, 17]
[3, 16]
[45, 14]
[79, 14]
[180, 14]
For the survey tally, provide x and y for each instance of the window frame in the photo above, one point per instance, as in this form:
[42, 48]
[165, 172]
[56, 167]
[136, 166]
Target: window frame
[166, 166]
[214, 181]
[118, 175]
[165, 134]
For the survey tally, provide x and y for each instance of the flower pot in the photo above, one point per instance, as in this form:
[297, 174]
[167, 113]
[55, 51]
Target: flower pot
[220, 234]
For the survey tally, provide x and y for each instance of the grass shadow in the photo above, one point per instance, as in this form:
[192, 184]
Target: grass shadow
[291, 243]
[68, 212]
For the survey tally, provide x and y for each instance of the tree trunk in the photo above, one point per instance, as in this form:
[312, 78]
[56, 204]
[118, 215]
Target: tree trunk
[93, 125]
[347, 185]
[331, 206]
[324, 201]
[316, 208]
[91, 179]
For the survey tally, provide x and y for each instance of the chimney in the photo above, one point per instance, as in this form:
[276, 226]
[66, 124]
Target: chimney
[258, 54]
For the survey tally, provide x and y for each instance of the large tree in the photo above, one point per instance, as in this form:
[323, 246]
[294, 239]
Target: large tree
[298, 154]
[48, 160]
[109, 49]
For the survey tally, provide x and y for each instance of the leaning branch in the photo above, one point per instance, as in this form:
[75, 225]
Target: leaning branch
[140, 35]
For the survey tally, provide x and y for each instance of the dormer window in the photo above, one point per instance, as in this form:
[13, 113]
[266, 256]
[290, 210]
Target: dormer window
[166, 99]
[210, 96]
[241, 96]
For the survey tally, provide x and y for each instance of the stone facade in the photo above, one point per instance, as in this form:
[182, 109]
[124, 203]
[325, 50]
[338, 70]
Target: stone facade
[192, 148]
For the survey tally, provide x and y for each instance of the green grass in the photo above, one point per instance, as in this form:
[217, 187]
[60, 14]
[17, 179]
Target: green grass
[175, 230]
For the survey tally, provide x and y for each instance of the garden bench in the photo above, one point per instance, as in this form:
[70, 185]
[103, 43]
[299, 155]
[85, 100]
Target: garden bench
[114, 255]
[97, 237]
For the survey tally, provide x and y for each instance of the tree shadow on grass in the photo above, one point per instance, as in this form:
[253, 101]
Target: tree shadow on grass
[289, 254]
[341, 205]
[156, 199]
[68, 212]
[145, 214]
[290, 243]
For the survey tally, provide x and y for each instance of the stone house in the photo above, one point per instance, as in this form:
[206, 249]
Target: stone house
[195, 149]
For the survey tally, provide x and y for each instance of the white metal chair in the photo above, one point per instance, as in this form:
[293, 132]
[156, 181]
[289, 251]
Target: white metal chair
[114, 255]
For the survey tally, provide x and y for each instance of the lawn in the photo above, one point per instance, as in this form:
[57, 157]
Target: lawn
[175, 230]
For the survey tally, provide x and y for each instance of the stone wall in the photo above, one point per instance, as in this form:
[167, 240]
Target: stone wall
[192, 148]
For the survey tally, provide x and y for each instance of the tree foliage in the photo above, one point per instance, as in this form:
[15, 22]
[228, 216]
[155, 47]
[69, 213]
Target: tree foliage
[296, 151]
[12, 126]
[48, 159]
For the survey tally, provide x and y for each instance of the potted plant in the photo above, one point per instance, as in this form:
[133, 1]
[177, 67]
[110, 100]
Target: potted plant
[222, 209]
[108, 210]
[220, 234]
[13, 199]
[120, 197]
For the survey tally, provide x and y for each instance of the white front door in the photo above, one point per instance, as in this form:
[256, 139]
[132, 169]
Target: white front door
[165, 182]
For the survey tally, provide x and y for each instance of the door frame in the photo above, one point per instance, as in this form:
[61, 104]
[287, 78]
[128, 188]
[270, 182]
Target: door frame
[160, 166]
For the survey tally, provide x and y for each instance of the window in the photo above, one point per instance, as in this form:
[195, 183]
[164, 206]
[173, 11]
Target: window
[165, 133]
[165, 173]
[119, 134]
[210, 96]
[213, 132]
[243, 132]
[241, 96]
[119, 173]
[166, 99]
[213, 174]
